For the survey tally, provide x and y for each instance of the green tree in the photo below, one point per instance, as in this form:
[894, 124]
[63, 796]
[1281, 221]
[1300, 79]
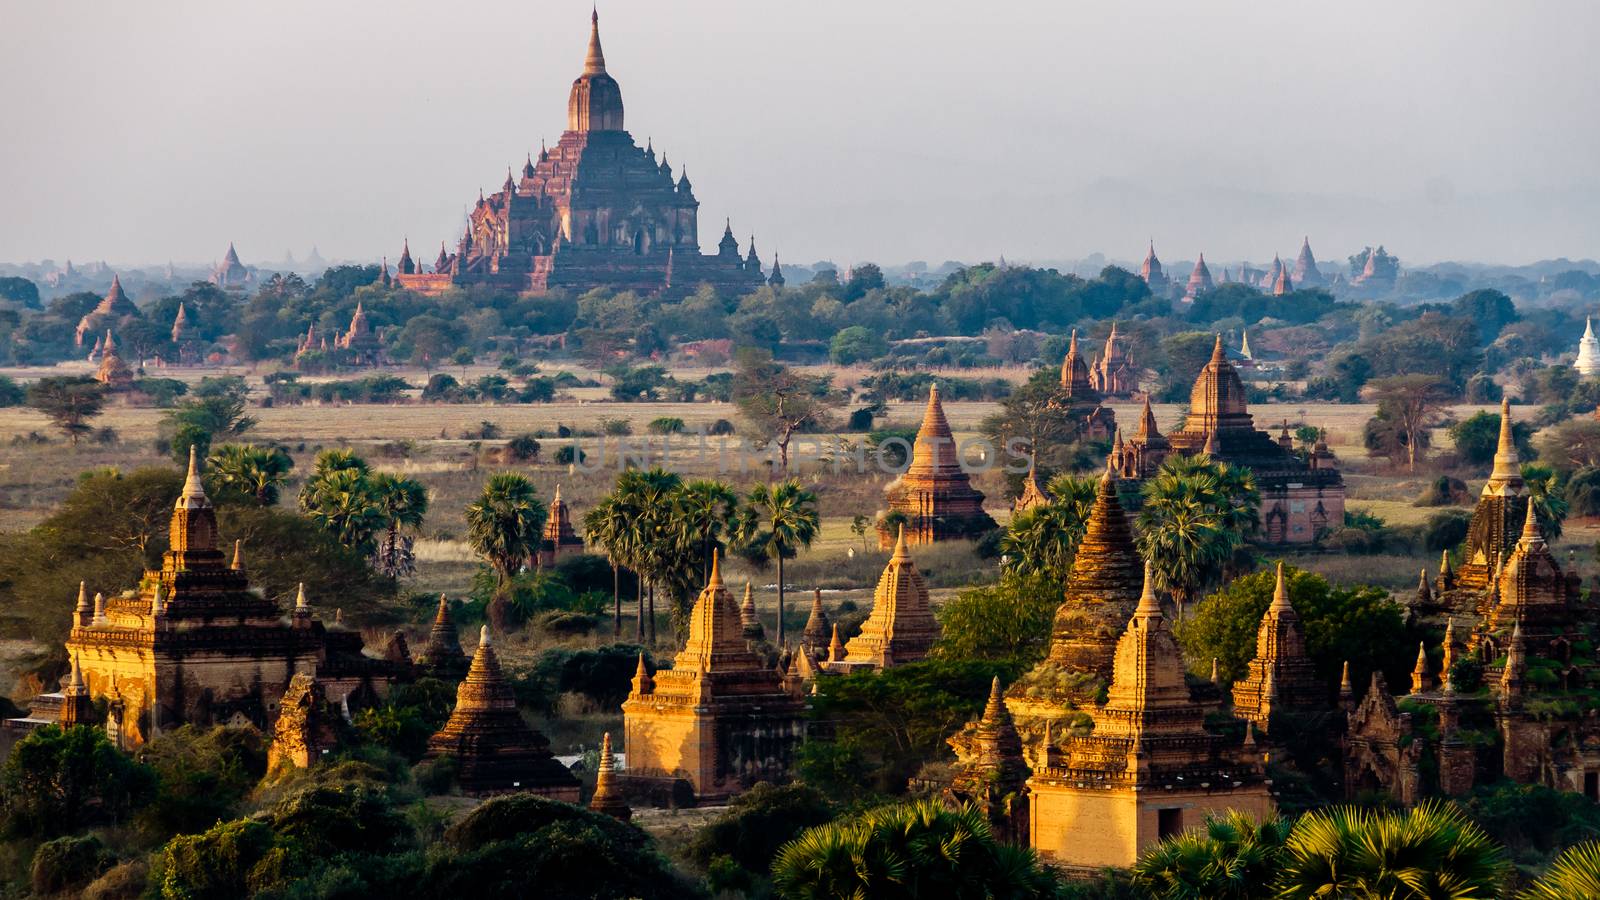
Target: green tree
[1008, 620]
[1478, 436]
[341, 501]
[1430, 852]
[655, 539]
[504, 526]
[401, 504]
[856, 344]
[779, 402]
[1196, 515]
[737, 848]
[1034, 421]
[1549, 500]
[776, 522]
[216, 410]
[248, 473]
[1230, 857]
[1573, 444]
[607, 525]
[1412, 403]
[908, 851]
[1361, 625]
[58, 781]
[1582, 492]
[704, 509]
[69, 402]
[1044, 540]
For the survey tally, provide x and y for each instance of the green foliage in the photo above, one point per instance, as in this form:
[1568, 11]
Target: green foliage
[228, 860]
[408, 717]
[1477, 436]
[1582, 492]
[214, 411]
[757, 823]
[203, 774]
[1534, 822]
[1230, 857]
[1360, 624]
[245, 473]
[1044, 540]
[504, 526]
[856, 344]
[665, 425]
[59, 781]
[68, 863]
[1196, 514]
[1576, 874]
[1548, 499]
[779, 403]
[1006, 621]
[1430, 851]
[69, 402]
[1446, 529]
[510, 842]
[909, 851]
[888, 724]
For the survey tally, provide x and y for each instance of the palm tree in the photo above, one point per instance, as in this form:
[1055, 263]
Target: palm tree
[1549, 500]
[504, 526]
[1231, 857]
[648, 494]
[1575, 875]
[703, 510]
[606, 525]
[1196, 514]
[777, 521]
[402, 502]
[248, 471]
[906, 851]
[1044, 540]
[342, 503]
[1430, 852]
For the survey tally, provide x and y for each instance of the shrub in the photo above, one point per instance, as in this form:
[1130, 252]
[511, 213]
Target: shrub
[720, 427]
[68, 862]
[570, 454]
[1583, 492]
[523, 447]
[1445, 529]
[665, 425]
[1444, 491]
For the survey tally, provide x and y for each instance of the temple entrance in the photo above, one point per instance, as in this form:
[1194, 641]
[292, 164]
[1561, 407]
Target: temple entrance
[1169, 823]
[1591, 785]
[638, 243]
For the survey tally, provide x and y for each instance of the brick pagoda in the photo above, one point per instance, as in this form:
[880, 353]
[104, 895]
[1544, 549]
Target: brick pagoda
[935, 495]
[560, 540]
[901, 627]
[1281, 676]
[496, 750]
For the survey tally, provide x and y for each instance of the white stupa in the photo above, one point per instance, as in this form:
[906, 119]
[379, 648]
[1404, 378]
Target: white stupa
[1588, 362]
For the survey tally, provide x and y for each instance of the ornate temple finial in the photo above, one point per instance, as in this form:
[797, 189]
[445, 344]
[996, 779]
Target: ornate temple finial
[594, 62]
[1506, 462]
[1280, 593]
[1445, 672]
[300, 604]
[83, 608]
[716, 569]
[238, 555]
[996, 707]
[1346, 689]
[1531, 532]
[193, 488]
[1444, 562]
[1420, 682]
[642, 682]
[158, 604]
[1148, 604]
[835, 646]
[900, 544]
[99, 608]
[75, 680]
[557, 498]
[1216, 674]
[483, 637]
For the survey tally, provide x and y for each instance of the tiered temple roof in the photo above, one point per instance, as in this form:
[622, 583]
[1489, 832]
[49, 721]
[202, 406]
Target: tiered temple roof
[1141, 455]
[1306, 273]
[935, 494]
[112, 311]
[608, 797]
[1497, 521]
[496, 751]
[720, 719]
[559, 540]
[1199, 280]
[1102, 591]
[1114, 374]
[443, 654]
[1282, 677]
[901, 627]
[818, 629]
[990, 770]
[113, 372]
[1075, 384]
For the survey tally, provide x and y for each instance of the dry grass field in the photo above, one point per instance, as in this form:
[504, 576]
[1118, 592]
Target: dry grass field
[430, 443]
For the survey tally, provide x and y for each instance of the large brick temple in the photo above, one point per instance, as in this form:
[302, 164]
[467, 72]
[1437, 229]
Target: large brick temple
[594, 210]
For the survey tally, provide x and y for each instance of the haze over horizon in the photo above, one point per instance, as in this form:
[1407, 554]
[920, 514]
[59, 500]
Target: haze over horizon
[886, 132]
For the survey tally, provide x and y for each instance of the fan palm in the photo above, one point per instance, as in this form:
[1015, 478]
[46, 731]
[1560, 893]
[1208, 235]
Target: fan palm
[648, 494]
[776, 522]
[1430, 852]
[1044, 540]
[1232, 857]
[342, 503]
[402, 502]
[248, 471]
[1550, 506]
[504, 526]
[907, 851]
[606, 525]
[1196, 514]
[703, 510]
[1574, 876]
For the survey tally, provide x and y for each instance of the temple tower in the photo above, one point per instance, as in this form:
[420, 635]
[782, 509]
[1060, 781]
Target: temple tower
[443, 654]
[608, 798]
[720, 719]
[935, 495]
[1497, 520]
[1199, 280]
[1281, 676]
[1588, 362]
[901, 627]
[560, 540]
[990, 771]
[495, 749]
[112, 311]
[1102, 590]
[1149, 769]
[1306, 273]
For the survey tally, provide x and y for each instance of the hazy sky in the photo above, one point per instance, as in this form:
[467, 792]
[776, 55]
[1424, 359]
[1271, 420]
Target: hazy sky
[842, 129]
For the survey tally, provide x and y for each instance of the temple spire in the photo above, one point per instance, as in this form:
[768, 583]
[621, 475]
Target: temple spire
[238, 555]
[594, 63]
[1149, 606]
[1280, 593]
